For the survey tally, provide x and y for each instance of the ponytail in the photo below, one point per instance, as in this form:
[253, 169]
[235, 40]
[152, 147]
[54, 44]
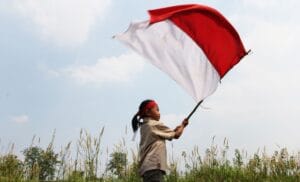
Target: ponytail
[135, 122]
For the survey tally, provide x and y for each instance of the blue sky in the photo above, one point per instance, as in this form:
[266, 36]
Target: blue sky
[60, 69]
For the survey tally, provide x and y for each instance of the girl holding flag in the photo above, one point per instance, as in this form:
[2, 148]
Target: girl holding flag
[196, 46]
[152, 150]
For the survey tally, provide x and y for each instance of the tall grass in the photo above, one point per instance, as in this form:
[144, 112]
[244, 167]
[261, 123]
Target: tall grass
[84, 161]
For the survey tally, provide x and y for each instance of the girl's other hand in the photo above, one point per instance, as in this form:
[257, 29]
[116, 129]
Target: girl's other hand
[178, 127]
[185, 122]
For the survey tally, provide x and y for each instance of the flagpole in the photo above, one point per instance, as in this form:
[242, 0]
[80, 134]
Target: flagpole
[195, 108]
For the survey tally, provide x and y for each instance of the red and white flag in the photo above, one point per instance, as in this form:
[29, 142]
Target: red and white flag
[194, 44]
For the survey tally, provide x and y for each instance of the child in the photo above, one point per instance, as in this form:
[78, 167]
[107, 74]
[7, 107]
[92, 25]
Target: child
[152, 152]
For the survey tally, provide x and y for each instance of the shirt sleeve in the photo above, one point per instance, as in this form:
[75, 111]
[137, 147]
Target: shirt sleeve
[163, 131]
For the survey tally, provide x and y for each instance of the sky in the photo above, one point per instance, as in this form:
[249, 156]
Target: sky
[61, 70]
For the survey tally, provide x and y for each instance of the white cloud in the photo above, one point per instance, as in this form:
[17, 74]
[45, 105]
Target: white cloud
[65, 22]
[20, 119]
[112, 69]
[261, 4]
[173, 117]
[172, 120]
[271, 5]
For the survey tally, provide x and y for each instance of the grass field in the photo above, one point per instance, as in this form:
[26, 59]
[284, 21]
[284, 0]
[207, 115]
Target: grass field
[46, 165]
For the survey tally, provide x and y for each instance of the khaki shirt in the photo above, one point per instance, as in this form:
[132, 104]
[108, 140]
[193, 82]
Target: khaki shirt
[153, 152]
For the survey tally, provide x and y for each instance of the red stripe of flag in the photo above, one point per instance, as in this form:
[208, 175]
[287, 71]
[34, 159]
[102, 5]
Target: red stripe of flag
[210, 30]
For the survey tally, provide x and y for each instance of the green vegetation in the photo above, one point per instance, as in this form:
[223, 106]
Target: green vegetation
[86, 166]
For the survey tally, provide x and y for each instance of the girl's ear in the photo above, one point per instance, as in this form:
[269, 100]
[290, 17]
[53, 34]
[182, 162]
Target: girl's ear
[147, 112]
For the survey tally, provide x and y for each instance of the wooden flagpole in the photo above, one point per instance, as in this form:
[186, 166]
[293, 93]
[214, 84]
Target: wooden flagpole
[195, 108]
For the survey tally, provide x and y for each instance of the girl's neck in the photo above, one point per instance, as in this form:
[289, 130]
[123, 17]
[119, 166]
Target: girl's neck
[149, 118]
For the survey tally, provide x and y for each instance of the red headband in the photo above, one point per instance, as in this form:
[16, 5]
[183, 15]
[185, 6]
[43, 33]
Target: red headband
[150, 105]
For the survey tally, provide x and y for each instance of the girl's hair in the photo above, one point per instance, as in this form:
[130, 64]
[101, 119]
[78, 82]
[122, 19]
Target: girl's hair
[135, 122]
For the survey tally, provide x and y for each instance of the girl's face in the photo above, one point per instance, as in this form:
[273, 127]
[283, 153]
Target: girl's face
[154, 113]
